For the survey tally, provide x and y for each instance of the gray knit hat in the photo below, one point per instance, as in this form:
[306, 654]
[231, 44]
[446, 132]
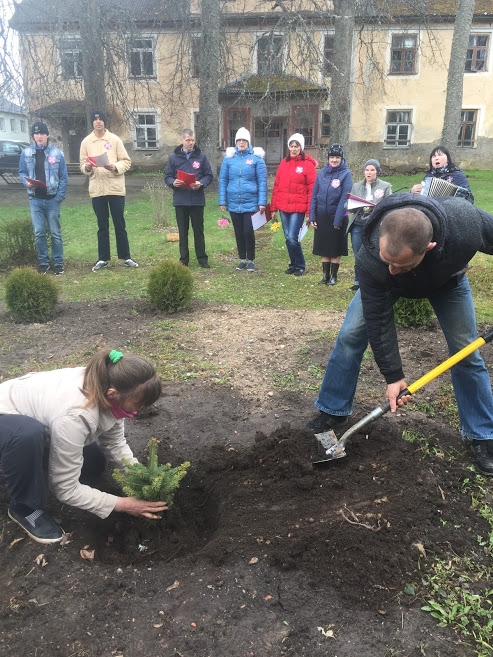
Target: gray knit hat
[373, 163]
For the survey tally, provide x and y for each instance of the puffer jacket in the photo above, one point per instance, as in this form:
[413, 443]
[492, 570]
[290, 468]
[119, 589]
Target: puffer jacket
[243, 180]
[460, 230]
[329, 194]
[55, 170]
[197, 164]
[101, 181]
[293, 184]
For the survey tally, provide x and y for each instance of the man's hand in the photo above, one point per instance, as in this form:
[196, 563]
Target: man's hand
[393, 391]
[140, 508]
[89, 168]
[111, 167]
[178, 183]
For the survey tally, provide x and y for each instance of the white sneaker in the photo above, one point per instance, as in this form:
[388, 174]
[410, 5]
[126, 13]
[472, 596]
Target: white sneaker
[101, 264]
[130, 263]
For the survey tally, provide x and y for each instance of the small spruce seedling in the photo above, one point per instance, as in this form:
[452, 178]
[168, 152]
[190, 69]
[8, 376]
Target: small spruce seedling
[152, 482]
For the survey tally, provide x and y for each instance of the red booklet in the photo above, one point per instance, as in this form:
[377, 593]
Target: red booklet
[35, 183]
[188, 178]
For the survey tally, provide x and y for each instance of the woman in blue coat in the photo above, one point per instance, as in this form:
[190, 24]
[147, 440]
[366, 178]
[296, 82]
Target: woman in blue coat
[243, 191]
[441, 166]
[328, 214]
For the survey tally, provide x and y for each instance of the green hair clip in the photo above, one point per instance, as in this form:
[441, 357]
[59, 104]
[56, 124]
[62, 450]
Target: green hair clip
[115, 356]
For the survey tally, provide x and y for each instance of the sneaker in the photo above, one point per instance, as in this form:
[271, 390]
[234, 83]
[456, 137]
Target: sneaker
[483, 451]
[42, 269]
[101, 264]
[251, 266]
[290, 270]
[299, 272]
[241, 265]
[39, 525]
[324, 422]
[130, 263]
[59, 270]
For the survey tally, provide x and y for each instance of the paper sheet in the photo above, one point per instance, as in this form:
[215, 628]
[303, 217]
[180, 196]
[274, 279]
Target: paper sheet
[303, 231]
[258, 220]
[98, 160]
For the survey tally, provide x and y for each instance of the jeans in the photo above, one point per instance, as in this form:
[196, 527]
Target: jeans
[291, 224]
[195, 214]
[46, 212]
[102, 206]
[244, 233]
[356, 242]
[454, 309]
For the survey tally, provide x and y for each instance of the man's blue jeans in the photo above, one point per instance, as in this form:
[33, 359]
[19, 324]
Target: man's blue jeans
[46, 213]
[291, 224]
[454, 309]
[356, 242]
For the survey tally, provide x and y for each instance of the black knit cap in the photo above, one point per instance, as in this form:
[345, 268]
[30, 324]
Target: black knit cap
[39, 128]
[336, 150]
[98, 114]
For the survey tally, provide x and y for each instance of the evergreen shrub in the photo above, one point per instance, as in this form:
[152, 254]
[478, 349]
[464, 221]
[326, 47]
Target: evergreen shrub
[17, 246]
[413, 313]
[170, 286]
[30, 297]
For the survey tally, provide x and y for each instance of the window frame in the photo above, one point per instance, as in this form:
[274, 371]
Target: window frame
[133, 49]
[274, 38]
[404, 49]
[327, 62]
[474, 49]
[2, 124]
[398, 124]
[324, 124]
[70, 52]
[139, 125]
[310, 139]
[194, 56]
[464, 124]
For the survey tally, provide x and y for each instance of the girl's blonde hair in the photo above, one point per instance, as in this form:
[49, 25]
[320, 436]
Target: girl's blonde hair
[130, 376]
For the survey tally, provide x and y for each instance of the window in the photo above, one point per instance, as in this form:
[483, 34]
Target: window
[237, 118]
[477, 50]
[403, 54]
[467, 130]
[12, 125]
[23, 126]
[325, 124]
[142, 58]
[398, 128]
[2, 124]
[71, 59]
[195, 56]
[269, 55]
[146, 130]
[304, 123]
[328, 54]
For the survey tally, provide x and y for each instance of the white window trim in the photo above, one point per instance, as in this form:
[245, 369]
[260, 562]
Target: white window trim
[135, 124]
[141, 37]
[262, 34]
[396, 32]
[392, 108]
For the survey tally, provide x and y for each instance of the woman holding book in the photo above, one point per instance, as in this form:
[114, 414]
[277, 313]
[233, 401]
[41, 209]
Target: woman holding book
[441, 166]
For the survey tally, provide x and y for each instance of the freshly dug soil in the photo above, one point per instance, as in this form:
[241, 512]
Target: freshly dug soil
[263, 554]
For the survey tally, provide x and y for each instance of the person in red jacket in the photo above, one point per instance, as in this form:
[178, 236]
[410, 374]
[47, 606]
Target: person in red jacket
[291, 195]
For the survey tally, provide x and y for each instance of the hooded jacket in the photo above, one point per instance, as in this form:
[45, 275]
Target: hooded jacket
[293, 184]
[243, 180]
[329, 195]
[198, 164]
[460, 230]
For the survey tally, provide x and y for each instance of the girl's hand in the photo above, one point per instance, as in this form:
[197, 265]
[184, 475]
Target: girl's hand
[261, 209]
[222, 208]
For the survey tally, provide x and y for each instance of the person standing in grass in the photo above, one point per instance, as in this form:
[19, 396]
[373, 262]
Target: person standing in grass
[243, 191]
[291, 195]
[189, 200]
[42, 169]
[107, 187]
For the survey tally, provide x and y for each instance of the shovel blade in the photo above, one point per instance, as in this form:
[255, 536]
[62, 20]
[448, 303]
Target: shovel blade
[331, 445]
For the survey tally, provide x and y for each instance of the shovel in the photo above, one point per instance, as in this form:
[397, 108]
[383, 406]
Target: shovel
[336, 449]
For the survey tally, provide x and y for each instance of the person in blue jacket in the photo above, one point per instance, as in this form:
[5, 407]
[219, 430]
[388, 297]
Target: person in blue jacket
[42, 169]
[243, 192]
[442, 166]
[189, 200]
[328, 213]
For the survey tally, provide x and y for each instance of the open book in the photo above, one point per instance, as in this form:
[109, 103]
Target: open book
[98, 160]
[355, 202]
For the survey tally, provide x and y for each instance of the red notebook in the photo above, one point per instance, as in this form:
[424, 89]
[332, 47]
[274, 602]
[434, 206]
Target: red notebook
[188, 178]
[35, 183]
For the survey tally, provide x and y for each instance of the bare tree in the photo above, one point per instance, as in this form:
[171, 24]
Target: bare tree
[341, 88]
[209, 66]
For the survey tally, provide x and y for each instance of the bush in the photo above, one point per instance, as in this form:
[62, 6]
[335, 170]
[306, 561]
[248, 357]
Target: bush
[413, 312]
[151, 482]
[161, 197]
[17, 246]
[30, 297]
[170, 286]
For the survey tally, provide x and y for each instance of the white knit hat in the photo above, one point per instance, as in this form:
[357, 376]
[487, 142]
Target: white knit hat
[299, 138]
[243, 134]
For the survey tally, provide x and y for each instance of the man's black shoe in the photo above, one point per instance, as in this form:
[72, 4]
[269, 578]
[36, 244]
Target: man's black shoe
[290, 270]
[39, 525]
[324, 422]
[483, 452]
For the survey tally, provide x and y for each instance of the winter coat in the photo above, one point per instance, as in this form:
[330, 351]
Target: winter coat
[379, 190]
[55, 171]
[55, 399]
[293, 184]
[198, 164]
[329, 194]
[460, 230]
[101, 181]
[243, 180]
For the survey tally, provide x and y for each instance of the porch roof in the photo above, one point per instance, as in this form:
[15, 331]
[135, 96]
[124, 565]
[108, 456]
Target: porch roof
[258, 86]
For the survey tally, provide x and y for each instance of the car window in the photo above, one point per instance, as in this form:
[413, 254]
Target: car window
[9, 147]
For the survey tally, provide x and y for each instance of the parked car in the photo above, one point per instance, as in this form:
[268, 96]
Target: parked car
[10, 152]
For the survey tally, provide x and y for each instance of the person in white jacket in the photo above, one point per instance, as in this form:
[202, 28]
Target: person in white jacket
[62, 416]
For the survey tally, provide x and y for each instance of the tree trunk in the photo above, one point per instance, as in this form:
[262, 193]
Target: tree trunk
[93, 67]
[208, 125]
[341, 85]
[455, 80]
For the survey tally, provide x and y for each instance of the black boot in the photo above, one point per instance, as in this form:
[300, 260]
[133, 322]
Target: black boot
[326, 273]
[333, 273]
